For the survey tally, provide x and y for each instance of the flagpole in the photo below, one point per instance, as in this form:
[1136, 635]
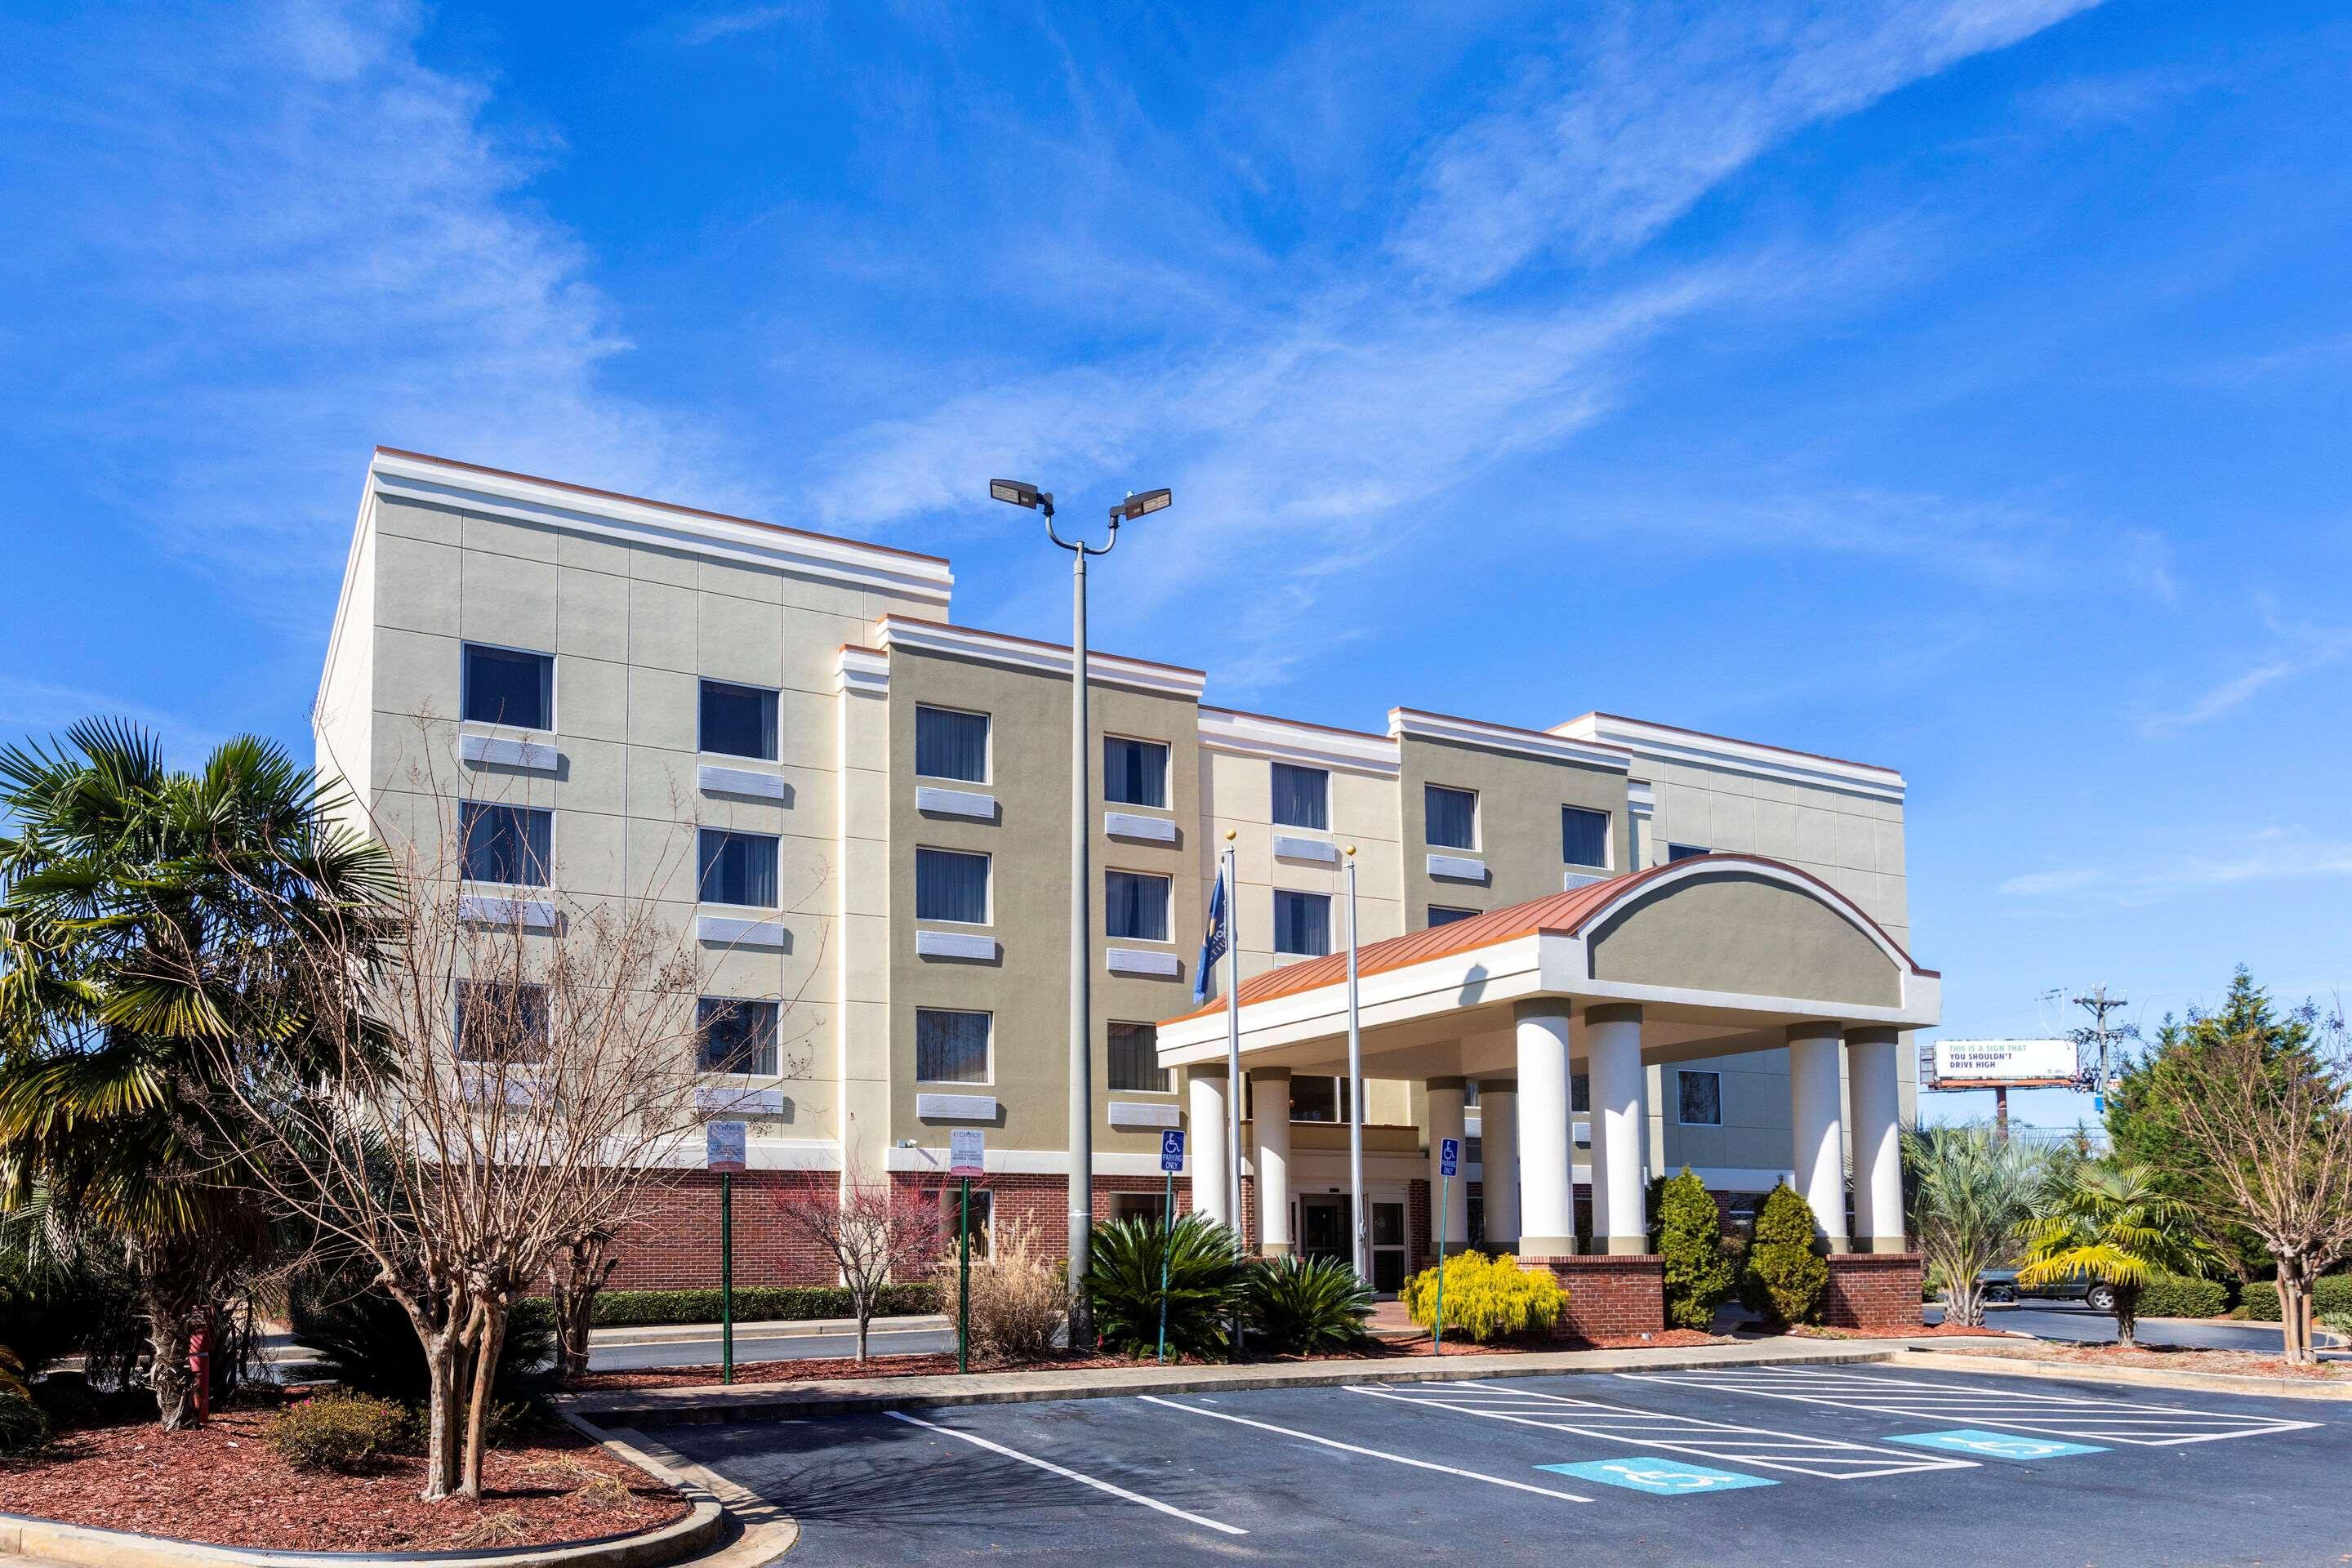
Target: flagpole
[1232, 1038]
[1356, 1097]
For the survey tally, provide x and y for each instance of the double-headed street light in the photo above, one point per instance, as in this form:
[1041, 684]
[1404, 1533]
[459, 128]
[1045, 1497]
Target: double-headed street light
[1082, 1097]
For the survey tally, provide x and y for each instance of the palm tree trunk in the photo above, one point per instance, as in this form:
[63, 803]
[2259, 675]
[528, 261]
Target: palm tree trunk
[171, 1291]
[2126, 1314]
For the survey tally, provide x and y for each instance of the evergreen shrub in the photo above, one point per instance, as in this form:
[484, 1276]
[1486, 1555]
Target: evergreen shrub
[2173, 1296]
[1690, 1238]
[1784, 1278]
[1488, 1298]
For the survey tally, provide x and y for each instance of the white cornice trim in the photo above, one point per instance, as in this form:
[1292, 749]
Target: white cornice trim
[531, 501]
[1663, 743]
[895, 632]
[1280, 740]
[863, 671]
[1420, 726]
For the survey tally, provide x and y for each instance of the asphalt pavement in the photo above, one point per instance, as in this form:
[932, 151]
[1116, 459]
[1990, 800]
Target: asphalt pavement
[2065, 1321]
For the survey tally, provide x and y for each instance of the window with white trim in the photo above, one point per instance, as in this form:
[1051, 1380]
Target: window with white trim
[1442, 915]
[1685, 852]
[1302, 924]
[735, 1036]
[1134, 1059]
[508, 686]
[506, 844]
[501, 1022]
[951, 885]
[951, 744]
[738, 869]
[1135, 906]
[1302, 797]
[1584, 837]
[1699, 1097]
[951, 1047]
[1450, 817]
[1135, 772]
[738, 720]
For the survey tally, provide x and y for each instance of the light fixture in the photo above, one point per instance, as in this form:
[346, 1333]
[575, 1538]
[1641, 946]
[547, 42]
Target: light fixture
[1135, 506]
[1017, 493]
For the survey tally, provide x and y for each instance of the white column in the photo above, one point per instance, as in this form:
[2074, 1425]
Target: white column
[1206, 1123]
[1270, 1131]
[1445, 1121]
[1816, 1111]
[1612, 1050]
[1546, 1199]
[1498, 1157]
[1870, 1065]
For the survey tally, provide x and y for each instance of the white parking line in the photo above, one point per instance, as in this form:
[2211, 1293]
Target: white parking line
[1048, 1465]
[1652, 1431]
[1368, 1453]
[2058, 1415]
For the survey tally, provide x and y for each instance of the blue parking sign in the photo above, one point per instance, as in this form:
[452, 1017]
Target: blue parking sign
[1172, 1149]
[1449, 1156]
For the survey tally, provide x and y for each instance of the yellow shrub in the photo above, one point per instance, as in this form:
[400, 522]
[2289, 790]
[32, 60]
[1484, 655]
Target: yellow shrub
[1488, 1298]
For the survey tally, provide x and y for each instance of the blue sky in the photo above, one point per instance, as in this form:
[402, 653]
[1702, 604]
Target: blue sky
[1960, 384]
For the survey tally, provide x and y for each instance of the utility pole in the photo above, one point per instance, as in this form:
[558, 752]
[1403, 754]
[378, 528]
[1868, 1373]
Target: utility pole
[2098, 1004]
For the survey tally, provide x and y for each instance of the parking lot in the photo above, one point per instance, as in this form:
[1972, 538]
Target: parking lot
[1811, 1466]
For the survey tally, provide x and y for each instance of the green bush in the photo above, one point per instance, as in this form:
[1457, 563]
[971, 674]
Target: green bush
[345, 1433]
[1690, 1238]
[2172, 1296]
[1488, 1298]
[759, 1303]
[1298, 1305]
[1784, 1276]
[2330, 1298]
[365, 1341]
[1205, 1280]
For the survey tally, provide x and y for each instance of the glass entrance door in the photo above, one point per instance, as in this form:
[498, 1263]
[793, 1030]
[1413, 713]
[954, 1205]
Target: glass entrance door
[1323, 1225]
[1388, 1247]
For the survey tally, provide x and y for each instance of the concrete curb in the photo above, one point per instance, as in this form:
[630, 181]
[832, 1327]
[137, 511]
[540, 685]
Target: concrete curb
[2069, 1371]
[790, 1400]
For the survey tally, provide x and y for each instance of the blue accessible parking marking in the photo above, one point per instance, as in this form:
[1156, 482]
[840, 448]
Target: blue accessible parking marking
[1660, 1477]
[1996, 1445]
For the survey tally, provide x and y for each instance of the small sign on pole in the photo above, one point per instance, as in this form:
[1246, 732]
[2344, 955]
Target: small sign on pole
[722, 1147]
[1449, 1156]
[966, 1154]
[1172, 1150]
[1172, 1160]
[1449, 1165]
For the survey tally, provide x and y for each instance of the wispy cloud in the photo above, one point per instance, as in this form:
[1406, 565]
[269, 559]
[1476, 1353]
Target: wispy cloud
[2299, 651]
[750, 20]
[2273, 855]
[39, 709]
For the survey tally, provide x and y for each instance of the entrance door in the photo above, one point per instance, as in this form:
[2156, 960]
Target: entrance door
[1388, 1247]
[1323, 1225]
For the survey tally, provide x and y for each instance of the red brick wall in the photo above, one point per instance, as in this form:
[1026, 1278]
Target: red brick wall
[1874, 1290]
[1608, 1295]
[1420, 1235]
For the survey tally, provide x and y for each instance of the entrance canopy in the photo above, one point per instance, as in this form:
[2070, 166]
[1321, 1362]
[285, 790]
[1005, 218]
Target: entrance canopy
[1722, 952]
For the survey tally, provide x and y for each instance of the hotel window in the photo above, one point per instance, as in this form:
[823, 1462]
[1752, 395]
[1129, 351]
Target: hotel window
[1135, 772]
[739, 721]
[506, 844]
[1139, 1205]
[1583, 836]
[732, 1035]
[500, 1022]
[1440, 915]
[1302, 797]
[504, 686]
[1134, 1059]
[951, 745]
[739, 869]
[1686, 851]
[1135, 906]
[1701, 1098]
[1451, 816]
[1319, 1099]
[983, 1211]
[1579, 1093]
[951, 886]
[951, 1047]
[1302, 924]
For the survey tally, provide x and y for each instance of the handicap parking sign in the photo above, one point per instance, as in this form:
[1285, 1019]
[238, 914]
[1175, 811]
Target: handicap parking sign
[1996, 1445]
[1449, 1156]
[1172, 1149]
[1659, 1478]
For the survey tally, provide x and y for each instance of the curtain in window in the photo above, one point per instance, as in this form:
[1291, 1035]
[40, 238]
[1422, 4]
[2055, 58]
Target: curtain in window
[736, 1037]
[1583, 836]
[739, 869]
[1135, 1060]
[950, 886]
[1136, 906]
[1439, 915]
[501, 1022]
[951, 745]
[739, 721]
[503, 687]
[1302, 797]
[506, 844]
[1702, 1098]
[1135, 772]
[1453, 816]
[1302, 923]
[950, 1047]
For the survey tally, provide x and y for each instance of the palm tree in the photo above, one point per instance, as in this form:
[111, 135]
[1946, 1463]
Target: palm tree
[145, 919]
[1973, 1199]
[2109, 1223]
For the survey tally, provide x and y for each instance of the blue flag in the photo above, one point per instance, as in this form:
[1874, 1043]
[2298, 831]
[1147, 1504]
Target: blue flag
[1213, 944]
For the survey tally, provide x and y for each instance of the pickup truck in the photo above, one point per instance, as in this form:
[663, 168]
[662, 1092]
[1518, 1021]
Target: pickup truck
[2000, 1285]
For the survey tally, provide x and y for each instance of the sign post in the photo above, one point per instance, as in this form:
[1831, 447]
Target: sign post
[723, 1153]
[1172, 1160]
[1449, 1160]
[967, 1158]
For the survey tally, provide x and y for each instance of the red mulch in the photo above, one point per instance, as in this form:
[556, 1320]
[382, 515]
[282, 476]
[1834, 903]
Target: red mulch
[1916, 1331]
[224, 1486]
[2168, 1358]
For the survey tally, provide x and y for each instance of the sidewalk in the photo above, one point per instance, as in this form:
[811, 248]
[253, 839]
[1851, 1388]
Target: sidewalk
[759, 1329]
[786, 1400]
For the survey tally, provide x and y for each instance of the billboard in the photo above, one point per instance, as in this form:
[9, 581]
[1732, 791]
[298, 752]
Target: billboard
[1987, 1064]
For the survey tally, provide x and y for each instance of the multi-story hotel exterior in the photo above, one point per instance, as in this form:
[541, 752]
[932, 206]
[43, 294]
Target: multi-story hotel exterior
[877, 804]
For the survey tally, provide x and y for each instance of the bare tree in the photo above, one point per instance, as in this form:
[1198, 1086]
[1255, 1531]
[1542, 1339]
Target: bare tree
[580, 1271]
[873, 1231]
[2271, 1138]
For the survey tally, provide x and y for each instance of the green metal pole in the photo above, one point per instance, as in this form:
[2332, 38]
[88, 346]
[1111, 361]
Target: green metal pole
[1167, 1240]
[1437, 1321]
[726, 1278]
[963, 1279]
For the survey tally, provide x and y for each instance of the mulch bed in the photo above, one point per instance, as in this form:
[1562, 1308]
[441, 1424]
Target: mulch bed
[2168, 1358]
[224, 1486]
[1917, 1332]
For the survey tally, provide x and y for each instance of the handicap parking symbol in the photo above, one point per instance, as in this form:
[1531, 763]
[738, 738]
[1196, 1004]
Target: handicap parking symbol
[1996, 1445]
[1659, 1478]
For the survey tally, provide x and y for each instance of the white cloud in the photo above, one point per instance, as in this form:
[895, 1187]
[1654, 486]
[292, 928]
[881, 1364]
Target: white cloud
[2303, 650]
[38, 710]
[752, 20]
[2274, 855]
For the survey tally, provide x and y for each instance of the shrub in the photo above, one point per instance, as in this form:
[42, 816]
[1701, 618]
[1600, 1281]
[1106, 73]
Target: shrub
[762, 1304]
[1019, 1300]
[365, 1341]
[1784, 1276]
[24, 1426]
[346, 1433]
[2172, 1296]
[1690, 1238]
[1204, 1284]
[2331, 1296]
[1297, 1305]
[1488, 1298]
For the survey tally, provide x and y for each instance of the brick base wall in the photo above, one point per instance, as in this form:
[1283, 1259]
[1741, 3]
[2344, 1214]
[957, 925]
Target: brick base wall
[1874, 1291]
[1609, 1295]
